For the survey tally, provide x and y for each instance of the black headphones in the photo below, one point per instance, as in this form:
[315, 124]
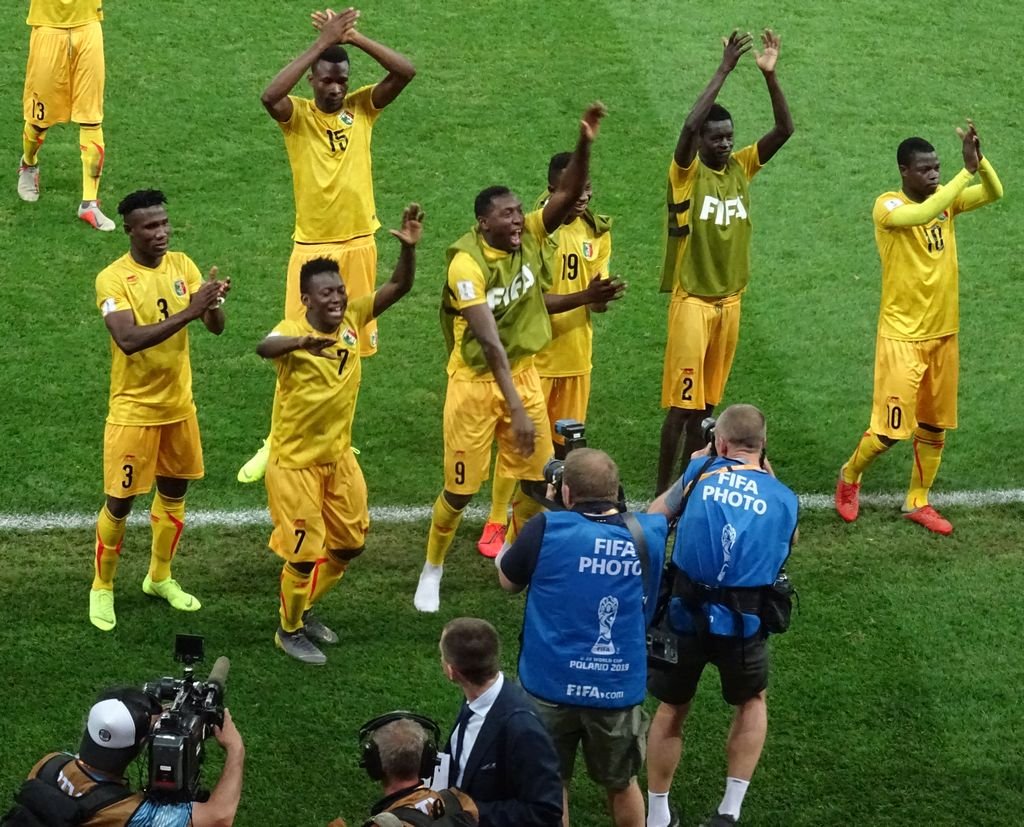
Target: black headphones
[369, 752]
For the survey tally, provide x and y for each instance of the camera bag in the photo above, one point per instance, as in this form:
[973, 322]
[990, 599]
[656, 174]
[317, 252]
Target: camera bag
[448, 812]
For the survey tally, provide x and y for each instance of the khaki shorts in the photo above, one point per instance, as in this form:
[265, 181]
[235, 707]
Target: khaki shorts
[135, 455]
[357, 263]
[614, 740]
[702, 337]
[567, 398]
[915, 382]
[316, 509]
[65, 75]
[475, 415]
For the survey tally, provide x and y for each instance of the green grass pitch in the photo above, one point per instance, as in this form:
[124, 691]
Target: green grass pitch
[893, 699]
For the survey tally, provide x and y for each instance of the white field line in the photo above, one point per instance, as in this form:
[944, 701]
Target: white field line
[412, 514]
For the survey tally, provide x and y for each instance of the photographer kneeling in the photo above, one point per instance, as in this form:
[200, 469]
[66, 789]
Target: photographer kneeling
[737, 526]
[593, 590]
[91, 789]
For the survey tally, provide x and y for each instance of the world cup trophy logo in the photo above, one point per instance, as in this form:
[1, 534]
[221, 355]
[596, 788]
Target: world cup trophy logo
[728, 541]
[607, 611]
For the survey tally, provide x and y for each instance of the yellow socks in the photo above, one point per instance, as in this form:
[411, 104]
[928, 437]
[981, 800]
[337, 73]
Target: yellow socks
[167, 517]
[328, 571]
[868, 450]
[927, 458]
[294, 597]
[523, 507]
[90, 141]
[502, 489]
[31, 140]
[109, 535]
[443, 523]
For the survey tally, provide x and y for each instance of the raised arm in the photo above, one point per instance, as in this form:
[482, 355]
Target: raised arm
[213, 316]
[219, 810]
[990, 189]
[132, 338]
[735, 46]
[275, 346]
[275, 97]
[405, 271]
[399, 67]
[574, 178]
[778, 135]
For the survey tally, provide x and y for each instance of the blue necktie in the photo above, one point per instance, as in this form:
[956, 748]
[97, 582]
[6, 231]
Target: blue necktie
[460, 724]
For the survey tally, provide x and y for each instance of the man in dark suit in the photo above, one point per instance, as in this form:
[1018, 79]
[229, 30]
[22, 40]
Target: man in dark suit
[500, 754]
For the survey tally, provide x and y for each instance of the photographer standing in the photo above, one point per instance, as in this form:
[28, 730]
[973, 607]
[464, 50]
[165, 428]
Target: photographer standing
[91, 789]
[584, 651]
[733, 538]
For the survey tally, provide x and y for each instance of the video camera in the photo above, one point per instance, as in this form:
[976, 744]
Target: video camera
[176, 745]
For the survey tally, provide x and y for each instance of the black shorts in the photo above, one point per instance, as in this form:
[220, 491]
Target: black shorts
[742, 666]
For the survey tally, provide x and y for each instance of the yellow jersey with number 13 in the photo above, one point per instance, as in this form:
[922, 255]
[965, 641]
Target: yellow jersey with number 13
[64, 14]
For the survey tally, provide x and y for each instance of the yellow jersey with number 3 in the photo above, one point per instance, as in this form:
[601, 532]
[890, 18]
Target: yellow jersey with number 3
[153, 386]
[64, 14]
[315, 401]
[332, 176]
[582, 256]
[920, 274]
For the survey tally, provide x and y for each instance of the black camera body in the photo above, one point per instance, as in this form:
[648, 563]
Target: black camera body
[575, 436]
[707, 433]
[192, 708]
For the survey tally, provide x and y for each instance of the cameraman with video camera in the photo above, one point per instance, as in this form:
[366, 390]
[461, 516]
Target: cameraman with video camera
[91, 788]
[737, 523]
[593, 572]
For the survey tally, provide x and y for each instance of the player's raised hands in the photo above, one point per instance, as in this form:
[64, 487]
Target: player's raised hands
[317, 345]
[769, 55]
[412, 225]
[205, 298]
[972, 147]
[336, 26]
[602, 290]
[590, 123]
[734, 47]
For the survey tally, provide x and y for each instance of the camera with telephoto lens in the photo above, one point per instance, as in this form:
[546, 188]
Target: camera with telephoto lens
[707, 433]
[192, 708]
[574, 434]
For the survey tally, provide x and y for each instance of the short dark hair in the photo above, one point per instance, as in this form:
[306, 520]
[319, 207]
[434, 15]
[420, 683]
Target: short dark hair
[332, 54]
[591, 476]
[716, 113]
[483, 201]
[471, 646]
[906, 151]
[557, 165]
[314, 267]
[139, 200]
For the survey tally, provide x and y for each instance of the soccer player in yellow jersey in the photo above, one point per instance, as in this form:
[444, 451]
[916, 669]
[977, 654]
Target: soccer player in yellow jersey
[495, 320]
[147, 298]
[64, 82]
[707, 251]
[917, 358]
[580, 285]
[328, 142]
[315, 487]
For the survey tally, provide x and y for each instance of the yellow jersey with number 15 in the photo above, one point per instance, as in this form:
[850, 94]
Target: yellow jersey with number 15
[153, 386]
[64, 14]
[332, 176]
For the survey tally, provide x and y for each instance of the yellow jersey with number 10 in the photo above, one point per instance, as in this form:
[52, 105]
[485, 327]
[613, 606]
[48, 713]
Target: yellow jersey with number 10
[64, 14]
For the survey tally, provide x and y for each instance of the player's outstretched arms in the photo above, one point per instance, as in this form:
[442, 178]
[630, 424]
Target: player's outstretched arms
[275, 96]
[734, 47]
[274, 346]
[599, 293]
[405, 270]
[577, 173]
[990, 189]
[132, 338]
[782, 130]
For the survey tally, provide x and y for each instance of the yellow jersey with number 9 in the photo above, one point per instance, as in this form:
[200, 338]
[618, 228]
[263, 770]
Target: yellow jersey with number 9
[64, 14]
[153, 386]
[332, 176]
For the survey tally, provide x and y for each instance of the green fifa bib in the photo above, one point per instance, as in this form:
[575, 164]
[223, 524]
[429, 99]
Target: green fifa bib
[514, 293]
[707, 251]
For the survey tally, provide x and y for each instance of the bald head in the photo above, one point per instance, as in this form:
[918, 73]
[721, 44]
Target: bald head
[742, 426]
[591, 476]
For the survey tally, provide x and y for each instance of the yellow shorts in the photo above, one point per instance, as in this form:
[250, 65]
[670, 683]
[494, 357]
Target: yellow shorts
[65, 75]
[567, 398]
[915, 382]
[702, 336]
[317, 508]
[357, 261]
[475, 415]
[134, 455]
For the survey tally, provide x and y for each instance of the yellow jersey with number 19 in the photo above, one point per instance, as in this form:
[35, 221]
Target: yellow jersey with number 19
[315, 401]
[153, 386]
[332, 176]
[64, 14]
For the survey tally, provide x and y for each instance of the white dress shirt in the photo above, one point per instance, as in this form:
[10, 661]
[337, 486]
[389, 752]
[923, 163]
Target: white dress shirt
[479, 707]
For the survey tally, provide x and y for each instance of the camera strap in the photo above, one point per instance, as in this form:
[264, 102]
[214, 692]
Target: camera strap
[640, 543]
